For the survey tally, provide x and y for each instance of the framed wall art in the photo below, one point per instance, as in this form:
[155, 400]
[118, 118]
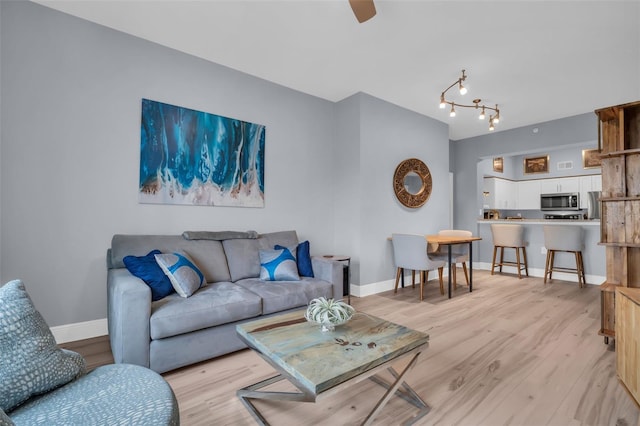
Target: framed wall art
[591, 159]
[197, 158]
[498, 165]
[536, 165]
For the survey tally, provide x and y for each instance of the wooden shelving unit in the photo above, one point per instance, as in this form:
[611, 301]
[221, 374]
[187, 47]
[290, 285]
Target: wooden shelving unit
[619, 140]
[628, 342]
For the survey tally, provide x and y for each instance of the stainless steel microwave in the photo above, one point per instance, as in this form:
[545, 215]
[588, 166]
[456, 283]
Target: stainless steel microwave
[562, 201]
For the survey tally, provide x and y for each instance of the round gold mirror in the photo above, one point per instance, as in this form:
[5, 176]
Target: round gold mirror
[412, 183]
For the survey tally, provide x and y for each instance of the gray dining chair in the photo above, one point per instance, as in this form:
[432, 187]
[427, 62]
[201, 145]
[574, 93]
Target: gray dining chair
[410, 252]
[564, 238]
[459, 253]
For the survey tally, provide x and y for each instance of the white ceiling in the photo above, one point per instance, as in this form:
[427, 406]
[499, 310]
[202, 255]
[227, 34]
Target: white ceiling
[539, 60]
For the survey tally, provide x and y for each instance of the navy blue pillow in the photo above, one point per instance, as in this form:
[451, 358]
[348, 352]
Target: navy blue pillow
[147, 269]
[303, 259]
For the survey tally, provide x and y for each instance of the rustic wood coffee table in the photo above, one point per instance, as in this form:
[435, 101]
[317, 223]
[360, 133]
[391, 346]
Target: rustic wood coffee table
[320, 363]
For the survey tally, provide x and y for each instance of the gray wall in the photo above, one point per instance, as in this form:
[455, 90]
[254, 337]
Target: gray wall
[69, 158]
[70, 142]
[369, 211]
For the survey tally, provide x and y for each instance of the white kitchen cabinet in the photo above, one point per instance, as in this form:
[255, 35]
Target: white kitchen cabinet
[559, 185]
[528, 195]
[502, 193]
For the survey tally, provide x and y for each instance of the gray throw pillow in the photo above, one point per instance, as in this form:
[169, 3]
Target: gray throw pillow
[31, 362]
[184, 275]
[278, 265]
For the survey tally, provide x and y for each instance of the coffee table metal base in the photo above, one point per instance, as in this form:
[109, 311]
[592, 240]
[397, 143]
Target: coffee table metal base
[399, 388]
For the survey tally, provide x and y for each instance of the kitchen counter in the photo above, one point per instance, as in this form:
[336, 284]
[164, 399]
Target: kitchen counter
[593, 253]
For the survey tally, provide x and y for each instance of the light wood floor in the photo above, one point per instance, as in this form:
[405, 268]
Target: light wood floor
[513, 352]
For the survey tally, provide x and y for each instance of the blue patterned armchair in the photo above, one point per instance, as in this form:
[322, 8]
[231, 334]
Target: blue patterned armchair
[43, 384]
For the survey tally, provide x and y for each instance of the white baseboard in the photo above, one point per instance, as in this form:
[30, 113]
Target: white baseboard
[381, 286]
[537, 272]
[80, 330]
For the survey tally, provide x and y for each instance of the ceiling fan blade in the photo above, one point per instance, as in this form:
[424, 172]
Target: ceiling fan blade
[363, 9]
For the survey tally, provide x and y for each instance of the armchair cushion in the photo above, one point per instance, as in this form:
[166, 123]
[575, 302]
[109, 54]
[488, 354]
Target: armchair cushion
[31, 362]
[115, 394]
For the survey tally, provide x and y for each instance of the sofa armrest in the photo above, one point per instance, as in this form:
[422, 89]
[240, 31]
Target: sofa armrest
[331, 271]
[128, 315]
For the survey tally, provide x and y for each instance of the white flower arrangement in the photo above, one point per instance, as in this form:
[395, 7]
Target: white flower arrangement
[328, 313]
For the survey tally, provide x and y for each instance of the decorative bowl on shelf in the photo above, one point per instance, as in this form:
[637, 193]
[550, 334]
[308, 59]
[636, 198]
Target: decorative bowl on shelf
[328, 313]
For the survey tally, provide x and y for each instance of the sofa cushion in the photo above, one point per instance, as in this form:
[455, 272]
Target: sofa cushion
[243, 257]
[207, 254]
[147, 269]
[281, 295]
[212, 305]
[31, 362]
[283, 238]
[278, 265]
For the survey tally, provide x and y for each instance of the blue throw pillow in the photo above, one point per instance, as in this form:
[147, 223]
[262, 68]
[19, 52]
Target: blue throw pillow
[303, 259]
[147, 269]
[184, 275]
[278, 265]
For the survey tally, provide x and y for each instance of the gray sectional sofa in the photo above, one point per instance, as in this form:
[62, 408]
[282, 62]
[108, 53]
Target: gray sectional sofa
[175, 331]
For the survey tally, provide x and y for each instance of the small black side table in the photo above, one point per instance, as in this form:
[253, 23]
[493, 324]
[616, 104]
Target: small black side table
[346, 288]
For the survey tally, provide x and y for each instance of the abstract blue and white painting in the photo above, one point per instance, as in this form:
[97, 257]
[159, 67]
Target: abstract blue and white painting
[194, 157]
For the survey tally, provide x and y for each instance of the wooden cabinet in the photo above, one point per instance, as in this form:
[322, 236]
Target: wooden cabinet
[628, 339]
[619, 138]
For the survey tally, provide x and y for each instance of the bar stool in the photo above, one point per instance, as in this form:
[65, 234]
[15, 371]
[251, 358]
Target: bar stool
[509, 236]
[563, 238]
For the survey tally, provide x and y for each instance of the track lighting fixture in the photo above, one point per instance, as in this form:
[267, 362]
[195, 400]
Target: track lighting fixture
[493, 119]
